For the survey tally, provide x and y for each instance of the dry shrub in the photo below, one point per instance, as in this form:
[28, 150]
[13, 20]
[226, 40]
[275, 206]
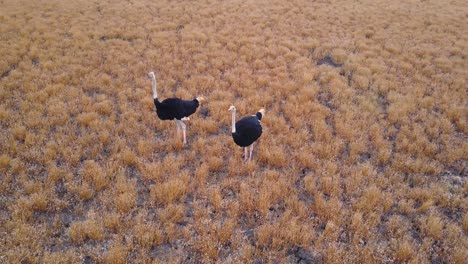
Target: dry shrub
[39, 201]
[172, 214]
[77, 232]
[112, 222]
[88, 119]
[4, 114]
[22, 233]
[4, 161]
[208, 245]
[171, 165]
[61, 257]
[272, 155]
[465, 223]
[331, 231]
[264, 235]
[93, 173]
[327, 210]
[103, 108]
[460, 254]
[94, 229]
[143, 148]
[405, 251]
[19, 133]
[296, 233]
[333, 254]
[247, 199]
[406, 207]
[310, 184]
[296, 206]
[236, 167]
[233, 208]
[396, 226]
[201, 173]
[273, 236]
[216, 199]
[371, 198]
[264, 201]
[215, 164]
[54, 175]
[225, 231]
[329, 185]
[126, 193]
[169, 191]
[358, 227]
[207, 126]
[151, 171]
[89, 229]
[434, 227]
[84, 191]
[116, 254]
[426, 206]
[21, 209]
[148, 235]
[128, 158]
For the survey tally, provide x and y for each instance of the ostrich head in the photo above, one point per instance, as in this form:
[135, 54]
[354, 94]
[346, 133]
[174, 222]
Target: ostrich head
[232, 108]
[262, 111]
[200, 99]
[151, 75]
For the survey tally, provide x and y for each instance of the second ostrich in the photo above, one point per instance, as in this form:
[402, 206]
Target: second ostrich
[247, 130]
[174, 108]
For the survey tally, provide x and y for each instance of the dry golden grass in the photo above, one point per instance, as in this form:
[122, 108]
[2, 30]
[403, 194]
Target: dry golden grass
[363, 157]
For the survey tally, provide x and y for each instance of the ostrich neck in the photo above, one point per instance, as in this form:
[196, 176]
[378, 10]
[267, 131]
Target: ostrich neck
[153, 83]
[234, 121]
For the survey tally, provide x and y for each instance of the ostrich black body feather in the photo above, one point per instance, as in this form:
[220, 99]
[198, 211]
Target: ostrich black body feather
[175, 108]
[248, 130]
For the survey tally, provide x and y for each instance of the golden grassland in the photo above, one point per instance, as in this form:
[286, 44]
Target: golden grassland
[363, 157]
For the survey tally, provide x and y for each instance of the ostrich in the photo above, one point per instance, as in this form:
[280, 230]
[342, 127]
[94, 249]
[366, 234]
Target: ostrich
[174, 108]
[247, 130]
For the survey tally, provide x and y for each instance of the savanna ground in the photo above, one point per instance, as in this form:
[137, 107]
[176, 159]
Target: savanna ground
[363, 157]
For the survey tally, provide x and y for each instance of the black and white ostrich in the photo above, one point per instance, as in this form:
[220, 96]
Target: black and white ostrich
[247, 130]
[174, 108]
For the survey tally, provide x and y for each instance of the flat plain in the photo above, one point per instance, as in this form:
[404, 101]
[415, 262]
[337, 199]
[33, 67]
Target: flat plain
[363, 157]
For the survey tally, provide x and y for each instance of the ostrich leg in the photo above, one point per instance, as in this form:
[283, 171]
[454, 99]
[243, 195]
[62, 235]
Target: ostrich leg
[245, 154]
[178, 126]
[251, 150]
[183, 126]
